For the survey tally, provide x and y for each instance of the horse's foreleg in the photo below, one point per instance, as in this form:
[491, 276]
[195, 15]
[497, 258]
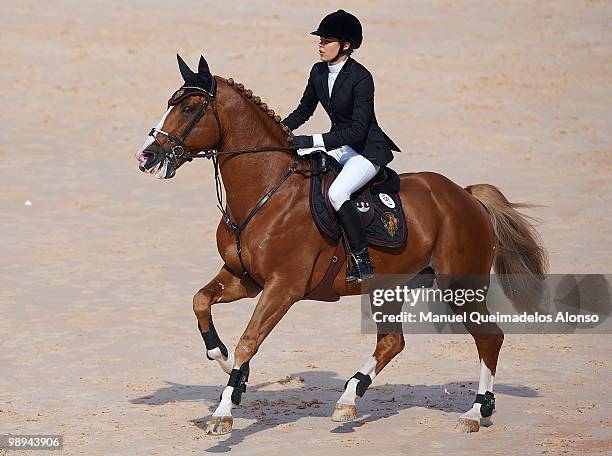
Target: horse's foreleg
[274, 303]
[390, 342]
[224, 287]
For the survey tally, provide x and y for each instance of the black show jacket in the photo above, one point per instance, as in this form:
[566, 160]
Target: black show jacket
[350, 109]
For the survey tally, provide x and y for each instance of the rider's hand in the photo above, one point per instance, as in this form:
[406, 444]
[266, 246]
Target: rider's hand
[302, 142]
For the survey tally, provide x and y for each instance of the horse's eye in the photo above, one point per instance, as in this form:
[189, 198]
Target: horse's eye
[187, 110]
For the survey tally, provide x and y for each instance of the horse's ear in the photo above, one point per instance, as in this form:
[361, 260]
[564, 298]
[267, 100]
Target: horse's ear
[203, 67]
[204, 72]
[185, 70]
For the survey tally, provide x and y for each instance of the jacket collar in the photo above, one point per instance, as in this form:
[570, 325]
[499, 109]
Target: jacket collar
[342, 76]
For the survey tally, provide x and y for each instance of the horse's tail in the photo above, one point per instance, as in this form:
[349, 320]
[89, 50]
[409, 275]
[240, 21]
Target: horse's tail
[520, 260]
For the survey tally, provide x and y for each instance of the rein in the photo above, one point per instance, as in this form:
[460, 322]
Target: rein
[177, 152]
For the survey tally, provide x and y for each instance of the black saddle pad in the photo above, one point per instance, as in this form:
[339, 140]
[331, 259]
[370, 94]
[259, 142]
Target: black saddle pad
[378, 203]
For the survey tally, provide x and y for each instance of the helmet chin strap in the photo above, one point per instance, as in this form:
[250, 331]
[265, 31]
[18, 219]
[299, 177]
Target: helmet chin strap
[340, 53]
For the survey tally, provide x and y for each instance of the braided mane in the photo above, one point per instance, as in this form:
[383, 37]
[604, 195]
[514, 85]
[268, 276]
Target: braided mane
[255, 99]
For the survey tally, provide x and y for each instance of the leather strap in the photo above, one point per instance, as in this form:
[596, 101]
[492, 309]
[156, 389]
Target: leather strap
[324, 289]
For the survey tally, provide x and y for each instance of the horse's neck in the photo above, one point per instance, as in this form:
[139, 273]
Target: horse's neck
[248, 176]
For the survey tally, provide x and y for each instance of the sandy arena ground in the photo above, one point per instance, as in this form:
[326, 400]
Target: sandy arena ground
[97, 337]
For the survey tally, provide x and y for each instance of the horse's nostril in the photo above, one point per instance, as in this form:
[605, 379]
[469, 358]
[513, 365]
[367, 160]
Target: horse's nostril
[148, 158]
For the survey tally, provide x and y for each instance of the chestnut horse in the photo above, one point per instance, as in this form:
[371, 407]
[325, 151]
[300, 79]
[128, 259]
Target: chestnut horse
[282, 255]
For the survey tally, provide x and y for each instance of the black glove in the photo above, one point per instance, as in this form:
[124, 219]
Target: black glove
[302, 142]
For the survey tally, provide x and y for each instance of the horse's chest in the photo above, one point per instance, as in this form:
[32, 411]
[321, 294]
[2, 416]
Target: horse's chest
[226, 245]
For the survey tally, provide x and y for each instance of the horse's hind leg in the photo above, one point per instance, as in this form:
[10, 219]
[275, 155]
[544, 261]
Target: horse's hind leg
[390, 342]
[489, 338]
[224, 287]
[488, 346]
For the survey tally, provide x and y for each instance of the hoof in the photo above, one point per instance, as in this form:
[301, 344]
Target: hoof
[219, 425]
[467, 425]
[344, 412]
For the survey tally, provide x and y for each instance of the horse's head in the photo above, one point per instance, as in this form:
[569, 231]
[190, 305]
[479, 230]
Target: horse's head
[190, 124]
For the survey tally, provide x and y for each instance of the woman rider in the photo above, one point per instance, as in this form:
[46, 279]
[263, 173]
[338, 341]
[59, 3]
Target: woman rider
[345, 88]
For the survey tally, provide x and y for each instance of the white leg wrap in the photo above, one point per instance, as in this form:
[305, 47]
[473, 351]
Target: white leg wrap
[486, 379]
[473, 413]
[485, 384]
[350, 394]
[225, 363]
[225, 406]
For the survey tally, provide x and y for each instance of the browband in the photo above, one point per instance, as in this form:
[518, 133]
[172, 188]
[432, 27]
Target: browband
[188, 91]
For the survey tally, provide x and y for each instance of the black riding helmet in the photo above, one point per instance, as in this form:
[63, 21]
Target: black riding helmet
[341, 25]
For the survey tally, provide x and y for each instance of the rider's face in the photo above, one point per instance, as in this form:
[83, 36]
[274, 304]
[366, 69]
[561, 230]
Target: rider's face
[328, 49]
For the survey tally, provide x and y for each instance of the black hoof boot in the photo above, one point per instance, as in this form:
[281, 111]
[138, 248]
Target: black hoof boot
[237, 380]
[211, 339]
[362, 268]
[487, 403]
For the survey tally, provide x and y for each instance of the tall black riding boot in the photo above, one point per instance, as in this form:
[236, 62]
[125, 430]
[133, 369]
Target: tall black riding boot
[350, 220]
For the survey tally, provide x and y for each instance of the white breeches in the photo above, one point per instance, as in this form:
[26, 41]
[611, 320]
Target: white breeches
[356, 172]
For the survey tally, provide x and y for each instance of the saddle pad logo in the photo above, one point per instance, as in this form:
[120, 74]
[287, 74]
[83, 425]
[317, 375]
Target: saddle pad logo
[387, 200]
[390, 222]
[363, 206]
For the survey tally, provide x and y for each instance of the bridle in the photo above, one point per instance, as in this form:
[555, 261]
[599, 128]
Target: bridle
[177, 152]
